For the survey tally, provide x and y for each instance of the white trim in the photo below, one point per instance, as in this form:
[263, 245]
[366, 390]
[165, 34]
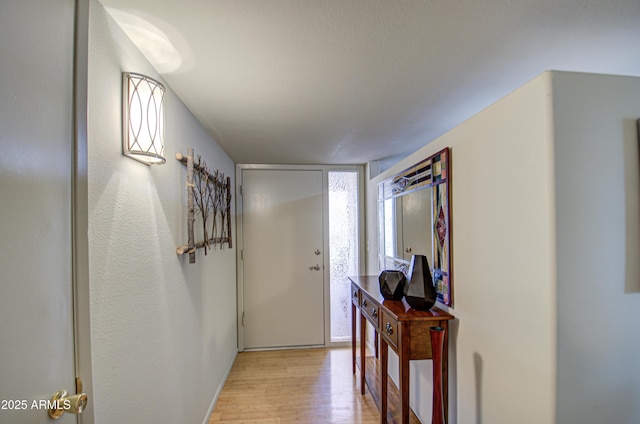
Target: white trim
[340, 344]
[267, 349]
[325, 264]
[239, 259]
[325, 218]
[80, 212]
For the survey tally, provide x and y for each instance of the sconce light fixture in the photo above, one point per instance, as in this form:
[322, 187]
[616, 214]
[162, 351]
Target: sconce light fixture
[143, 119]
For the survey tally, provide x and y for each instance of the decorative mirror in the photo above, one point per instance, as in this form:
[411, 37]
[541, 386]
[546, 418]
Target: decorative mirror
[414, 219]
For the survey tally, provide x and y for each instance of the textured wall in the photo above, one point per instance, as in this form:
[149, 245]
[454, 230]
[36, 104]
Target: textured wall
[502, 355]
[163, 330]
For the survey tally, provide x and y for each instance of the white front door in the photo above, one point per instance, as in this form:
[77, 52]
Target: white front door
[36, 163]
[282, 258]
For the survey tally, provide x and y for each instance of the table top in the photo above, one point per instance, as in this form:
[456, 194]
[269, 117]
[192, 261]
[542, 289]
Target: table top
[399, 308]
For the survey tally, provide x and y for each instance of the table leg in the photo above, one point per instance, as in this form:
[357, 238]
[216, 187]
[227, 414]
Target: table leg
[445, 370]
[363, 351]
[403, 355]
[353, 337]
[384, 366]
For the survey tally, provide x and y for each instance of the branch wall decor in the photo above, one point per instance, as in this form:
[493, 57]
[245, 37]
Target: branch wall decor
[208, 195]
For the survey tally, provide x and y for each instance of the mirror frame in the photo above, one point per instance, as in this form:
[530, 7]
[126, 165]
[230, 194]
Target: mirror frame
[433, 173]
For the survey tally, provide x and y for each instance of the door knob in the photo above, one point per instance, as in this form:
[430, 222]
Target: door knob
[317, 252]
[62, 402]
[316, 267]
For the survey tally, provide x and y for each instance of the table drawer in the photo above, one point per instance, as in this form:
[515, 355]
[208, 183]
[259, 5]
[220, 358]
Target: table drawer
[371, 309]
[355, 295]
[389, 329]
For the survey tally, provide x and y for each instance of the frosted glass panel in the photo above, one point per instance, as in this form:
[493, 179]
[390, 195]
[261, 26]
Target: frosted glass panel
[343, 249]
[389, 229]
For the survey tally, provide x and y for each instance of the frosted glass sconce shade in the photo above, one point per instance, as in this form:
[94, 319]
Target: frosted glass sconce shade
[143, 119]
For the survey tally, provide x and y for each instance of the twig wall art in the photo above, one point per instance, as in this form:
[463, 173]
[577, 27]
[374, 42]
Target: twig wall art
[208, 195]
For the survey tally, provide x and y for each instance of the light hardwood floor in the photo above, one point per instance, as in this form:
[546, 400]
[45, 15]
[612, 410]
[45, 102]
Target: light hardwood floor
[294, 386]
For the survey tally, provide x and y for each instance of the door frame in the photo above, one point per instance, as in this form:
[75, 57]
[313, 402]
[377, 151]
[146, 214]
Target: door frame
[325, 236]
[81, 300]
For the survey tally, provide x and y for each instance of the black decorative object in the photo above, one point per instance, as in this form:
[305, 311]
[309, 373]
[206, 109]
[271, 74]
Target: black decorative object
[392, 284]
[419, 290]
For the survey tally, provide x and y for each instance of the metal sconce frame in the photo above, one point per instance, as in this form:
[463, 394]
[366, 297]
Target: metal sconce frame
[143, 118]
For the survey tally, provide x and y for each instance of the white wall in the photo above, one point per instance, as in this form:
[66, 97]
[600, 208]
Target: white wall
[502, 345]
[596, 149]
[546, 247]
[163, 330]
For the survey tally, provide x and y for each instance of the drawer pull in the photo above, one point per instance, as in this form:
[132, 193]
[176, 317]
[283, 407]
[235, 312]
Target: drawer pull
[355, 294]
[389, 328]
[374, 313]
[364, 303]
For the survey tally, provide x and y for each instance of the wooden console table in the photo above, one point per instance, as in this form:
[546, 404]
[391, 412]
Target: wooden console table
[405, 329]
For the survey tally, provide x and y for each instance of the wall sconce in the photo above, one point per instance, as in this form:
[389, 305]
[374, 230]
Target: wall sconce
[143, 119]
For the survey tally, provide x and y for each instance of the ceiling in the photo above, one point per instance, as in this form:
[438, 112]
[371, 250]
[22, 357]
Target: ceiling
[350, 81]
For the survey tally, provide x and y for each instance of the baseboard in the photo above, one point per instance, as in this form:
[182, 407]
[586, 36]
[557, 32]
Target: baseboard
[262, 349]
[207, 417]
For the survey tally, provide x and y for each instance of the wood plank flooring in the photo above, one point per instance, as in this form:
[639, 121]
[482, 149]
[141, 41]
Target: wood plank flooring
[393, 396]
[294, 386]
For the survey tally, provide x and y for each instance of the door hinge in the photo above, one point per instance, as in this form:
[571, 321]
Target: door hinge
[243, 319]
[242, 254]
[240, 189]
